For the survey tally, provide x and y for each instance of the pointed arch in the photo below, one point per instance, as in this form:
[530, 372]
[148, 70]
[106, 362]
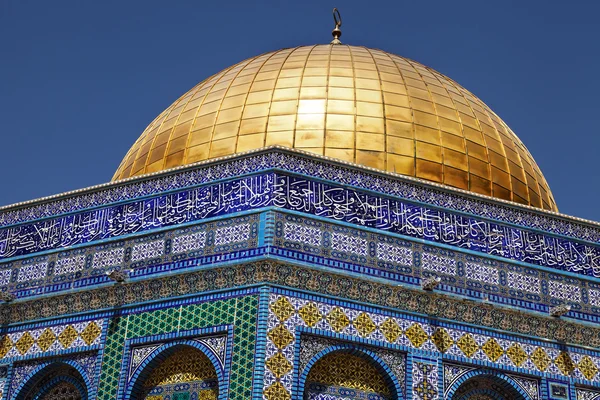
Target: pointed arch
[353, 354]
[44, 378]
[135, 388]
[485, 382]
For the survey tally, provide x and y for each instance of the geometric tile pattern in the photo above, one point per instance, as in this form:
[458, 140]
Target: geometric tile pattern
[50, 339]
[147, 250]
[528, 283]
[425, 381]
[69, 265]
[438, 263]
[184, 243]
[303, 234]
[339, 371]
[232, 234]
[482, 273]
[138, 355]
[32, 272]
[287, 313]
[395, 254]
[348, 244]
[134, 254]
[452, 372]
[530, 386]
[241, 312]
[334, 284]
[5, 276]
[564, 291]
[108, 258]
[516, 284]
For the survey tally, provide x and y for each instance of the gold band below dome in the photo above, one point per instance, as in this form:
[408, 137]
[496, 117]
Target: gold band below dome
[351, 103]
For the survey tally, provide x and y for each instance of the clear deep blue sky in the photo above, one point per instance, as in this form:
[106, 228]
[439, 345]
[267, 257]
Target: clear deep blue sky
[81, 79]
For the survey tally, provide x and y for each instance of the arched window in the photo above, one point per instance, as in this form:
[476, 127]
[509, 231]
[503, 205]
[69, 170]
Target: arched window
[63, 390]
[55, 382]
[346, 375]
[487, 387]
[183, 373]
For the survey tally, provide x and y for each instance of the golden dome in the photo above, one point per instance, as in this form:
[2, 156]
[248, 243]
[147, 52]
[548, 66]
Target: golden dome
[351, 103]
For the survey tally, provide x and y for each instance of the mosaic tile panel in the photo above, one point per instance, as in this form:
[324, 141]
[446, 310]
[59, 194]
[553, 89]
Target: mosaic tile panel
[51, 339]
[529, 386]
[287, 313]
[3, 380]
[69, 265]
[348, 244]
[425, 381]
[346, 376]
[452, 372]
[438, 263]
[5, 275]
[564, 291]
[191, 242]
[147, 250]
[238, 311]
[482, 273]
[232, 234]
[525, 282]
[303, 234]
[108, 258]
[394, 254]
[32, 272]
[459, 270]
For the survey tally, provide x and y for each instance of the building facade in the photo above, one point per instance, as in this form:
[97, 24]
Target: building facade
[323, 222]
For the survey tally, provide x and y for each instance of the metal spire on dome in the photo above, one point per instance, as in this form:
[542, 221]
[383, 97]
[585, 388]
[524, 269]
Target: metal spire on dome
[337, 18]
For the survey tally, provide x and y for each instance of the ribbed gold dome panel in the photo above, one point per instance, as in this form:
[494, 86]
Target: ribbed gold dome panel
[351, 103]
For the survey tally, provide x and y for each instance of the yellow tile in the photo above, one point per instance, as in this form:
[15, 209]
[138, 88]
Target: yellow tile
[339, 139]
[340, 122]
[369, 141]
[309, 138]
[283, 138]
[310, 121]
[369, 124]
[251, 142]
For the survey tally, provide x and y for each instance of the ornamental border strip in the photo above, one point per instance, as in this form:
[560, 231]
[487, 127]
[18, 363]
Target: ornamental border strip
[167, 291]
[298, 161]
[551, 288]
[295, 193]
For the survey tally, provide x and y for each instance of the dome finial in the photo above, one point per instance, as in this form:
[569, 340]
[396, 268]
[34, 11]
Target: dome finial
[337, 18]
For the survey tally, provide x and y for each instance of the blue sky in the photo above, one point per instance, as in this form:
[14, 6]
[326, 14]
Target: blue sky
[81, 79]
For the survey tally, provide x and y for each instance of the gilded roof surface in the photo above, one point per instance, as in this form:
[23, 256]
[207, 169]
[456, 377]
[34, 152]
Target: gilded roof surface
[351, 103]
